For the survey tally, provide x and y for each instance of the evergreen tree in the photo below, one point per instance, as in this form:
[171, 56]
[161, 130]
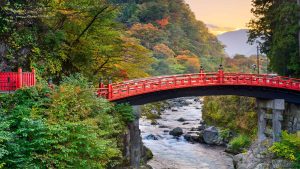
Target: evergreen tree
[276, 23]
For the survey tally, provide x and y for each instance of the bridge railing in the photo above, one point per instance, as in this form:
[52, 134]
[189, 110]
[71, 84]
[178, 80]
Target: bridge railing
[147, 85]
[11, 81]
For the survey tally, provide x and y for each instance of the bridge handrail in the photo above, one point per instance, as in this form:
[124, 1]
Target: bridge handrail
[146, 85]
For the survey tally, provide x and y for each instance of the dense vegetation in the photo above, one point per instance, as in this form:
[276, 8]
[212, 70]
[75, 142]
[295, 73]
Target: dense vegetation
[277, 24]
[62, 127]
[169, 29]
[231, 112]
[63, 37]
[288, 148]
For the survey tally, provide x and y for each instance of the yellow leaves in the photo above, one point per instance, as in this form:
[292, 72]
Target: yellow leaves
[192, 61]
[164, 49]
[138, 27]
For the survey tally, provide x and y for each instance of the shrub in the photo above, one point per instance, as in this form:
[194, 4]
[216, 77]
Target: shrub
[239, 143]
[64, 127]
[288, 148]
[126, 112]
[232, 112]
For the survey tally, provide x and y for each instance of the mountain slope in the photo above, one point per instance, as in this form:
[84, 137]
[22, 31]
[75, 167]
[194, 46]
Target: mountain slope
[236, 43]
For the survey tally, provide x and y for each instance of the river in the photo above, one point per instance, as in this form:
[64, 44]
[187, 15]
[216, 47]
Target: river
[177, 153]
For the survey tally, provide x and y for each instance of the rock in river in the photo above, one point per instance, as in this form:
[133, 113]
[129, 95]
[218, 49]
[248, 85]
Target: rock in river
[151, 137]
[181, 119]
[211, 136]
[176, 132]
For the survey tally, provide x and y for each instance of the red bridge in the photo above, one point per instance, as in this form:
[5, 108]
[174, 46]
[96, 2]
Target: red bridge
[11, 81]
[141, 91]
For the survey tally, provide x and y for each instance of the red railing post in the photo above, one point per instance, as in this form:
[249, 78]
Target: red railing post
[110, 89]
[33, 77]
[20, 79]
[221, 74]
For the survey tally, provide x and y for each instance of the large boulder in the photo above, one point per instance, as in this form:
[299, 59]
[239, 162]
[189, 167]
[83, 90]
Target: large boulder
[211, 136]
[258, 157]
[176, 132]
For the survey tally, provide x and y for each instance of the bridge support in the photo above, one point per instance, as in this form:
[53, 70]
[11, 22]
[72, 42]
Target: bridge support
[276, 107]
[292, 118]
[134, 148]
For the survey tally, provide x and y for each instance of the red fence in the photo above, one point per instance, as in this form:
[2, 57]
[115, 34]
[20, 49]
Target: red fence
[129, 88]
[11, 81]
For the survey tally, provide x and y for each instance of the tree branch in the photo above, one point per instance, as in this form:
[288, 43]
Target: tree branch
[90, 24]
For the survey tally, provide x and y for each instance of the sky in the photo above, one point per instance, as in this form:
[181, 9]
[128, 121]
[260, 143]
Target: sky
[222, 15]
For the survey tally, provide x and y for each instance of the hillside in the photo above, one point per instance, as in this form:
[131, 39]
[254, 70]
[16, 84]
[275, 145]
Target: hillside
[169, 29]
[236, 43]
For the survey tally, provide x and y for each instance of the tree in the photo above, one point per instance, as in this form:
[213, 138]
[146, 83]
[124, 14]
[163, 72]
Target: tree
[276, 23]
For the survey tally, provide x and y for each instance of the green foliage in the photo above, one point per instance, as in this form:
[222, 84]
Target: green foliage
[231, 112]
[239, 143]
[64, 127]
[152, 111]
[126, 112]
[64, 37]
[288, 148]
[173, 26]
[277, 24]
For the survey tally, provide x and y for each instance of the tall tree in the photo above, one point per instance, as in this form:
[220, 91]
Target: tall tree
[277, 24]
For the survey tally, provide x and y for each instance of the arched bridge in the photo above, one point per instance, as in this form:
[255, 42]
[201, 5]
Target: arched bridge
[147, 90]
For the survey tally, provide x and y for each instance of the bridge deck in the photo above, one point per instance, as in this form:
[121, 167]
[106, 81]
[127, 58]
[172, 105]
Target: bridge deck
[117, 91]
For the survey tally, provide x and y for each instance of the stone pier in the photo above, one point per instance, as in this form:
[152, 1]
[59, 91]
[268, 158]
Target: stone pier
[270, 117]
[291, 118]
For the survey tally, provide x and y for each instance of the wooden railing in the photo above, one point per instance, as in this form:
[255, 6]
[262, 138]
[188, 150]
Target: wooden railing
[116, 91]
[11, 81]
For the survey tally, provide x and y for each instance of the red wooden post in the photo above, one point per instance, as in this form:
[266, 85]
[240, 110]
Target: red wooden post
[221, 74]
[20, 79]
[33, 77]
[110, 89]
[202, 74]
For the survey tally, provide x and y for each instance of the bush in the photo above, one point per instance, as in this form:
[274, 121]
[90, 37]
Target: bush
[288, 148]
[126, 112]
[231, 112]
[64, 127]
[239, 143]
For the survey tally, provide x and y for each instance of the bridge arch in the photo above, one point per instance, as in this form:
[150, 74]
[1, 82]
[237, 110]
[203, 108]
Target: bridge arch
[147, 90]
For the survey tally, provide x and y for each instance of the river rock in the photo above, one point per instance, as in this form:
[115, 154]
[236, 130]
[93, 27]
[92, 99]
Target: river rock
[151, 137]
[258, 157]
[174, 109]
[186, 123]
[181, 119]
[162, 126]
[176, 132]
[211, 136]
[202, 122]
[201, 127]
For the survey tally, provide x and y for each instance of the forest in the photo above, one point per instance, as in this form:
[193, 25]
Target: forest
[74, 43]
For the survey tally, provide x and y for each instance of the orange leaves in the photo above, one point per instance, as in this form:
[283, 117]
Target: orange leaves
[163, 22]
[140, 27]
[164, 50]
[192, 63]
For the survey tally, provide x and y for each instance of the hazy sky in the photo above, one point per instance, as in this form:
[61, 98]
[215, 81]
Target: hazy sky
[222, 15]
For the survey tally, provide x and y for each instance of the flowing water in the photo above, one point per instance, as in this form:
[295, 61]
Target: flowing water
[177, 153]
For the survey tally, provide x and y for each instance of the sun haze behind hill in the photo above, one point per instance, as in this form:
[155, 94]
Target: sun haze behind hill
[222, 16]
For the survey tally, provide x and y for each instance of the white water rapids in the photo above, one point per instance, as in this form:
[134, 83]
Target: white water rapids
[177, 153]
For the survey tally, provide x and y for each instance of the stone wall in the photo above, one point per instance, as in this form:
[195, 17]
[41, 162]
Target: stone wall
[291, 118]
